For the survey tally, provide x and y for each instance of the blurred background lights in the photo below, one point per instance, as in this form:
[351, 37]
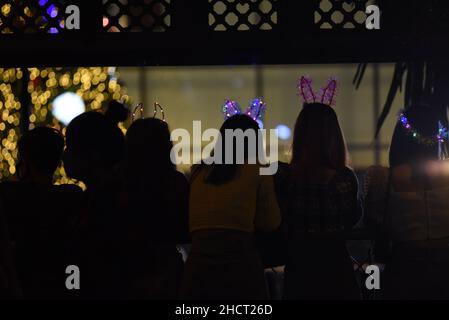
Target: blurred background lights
[67, 106]
[283, 132]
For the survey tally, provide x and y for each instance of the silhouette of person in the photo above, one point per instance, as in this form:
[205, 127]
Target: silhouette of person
[40, 215]
[317, 193]
[228, 203]
[116, 112]
[9, 286]
[94, 150]
[407, 204]
[157, 206]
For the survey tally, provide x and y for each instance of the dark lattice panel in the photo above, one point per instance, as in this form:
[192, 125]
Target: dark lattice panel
[237, 15]
[136, 15]
[31, 16]
[341, 14]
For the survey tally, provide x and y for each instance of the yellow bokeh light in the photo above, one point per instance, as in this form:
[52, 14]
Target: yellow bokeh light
[6, 9]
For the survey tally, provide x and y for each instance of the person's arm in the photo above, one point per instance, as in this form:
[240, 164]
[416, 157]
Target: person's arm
[268, 215]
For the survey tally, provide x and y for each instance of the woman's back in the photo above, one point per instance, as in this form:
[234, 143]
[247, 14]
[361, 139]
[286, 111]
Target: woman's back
[223, 262]
[322, 206]
[245, 203]
[317, 214]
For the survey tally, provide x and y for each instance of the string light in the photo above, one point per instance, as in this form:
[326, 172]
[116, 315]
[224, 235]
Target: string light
[139, 108]
[256, 109]
[156, 106]
[230, 108]
[440, 137]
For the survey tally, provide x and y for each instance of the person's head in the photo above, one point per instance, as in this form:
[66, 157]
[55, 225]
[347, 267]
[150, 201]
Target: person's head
[116, 112]
[39, 154]
[94, 146]
[222, 173]
[148, 146]
[408, 150]
[318, 140]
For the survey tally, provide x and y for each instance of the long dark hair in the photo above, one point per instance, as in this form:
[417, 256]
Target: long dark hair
[318, 140]
[406, 149]
[148, 147]
[222, 173]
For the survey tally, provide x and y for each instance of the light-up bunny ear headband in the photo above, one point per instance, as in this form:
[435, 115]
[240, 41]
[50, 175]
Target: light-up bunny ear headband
[256, 109]
[326, 95]
[140, 107]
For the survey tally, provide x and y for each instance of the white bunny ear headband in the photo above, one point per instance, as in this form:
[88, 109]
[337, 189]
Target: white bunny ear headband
[140, 107]
[256, 109]
[326, 95]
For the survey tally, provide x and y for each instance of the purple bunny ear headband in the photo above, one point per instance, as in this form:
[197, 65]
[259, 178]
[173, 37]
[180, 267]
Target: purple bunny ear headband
[326, 95]
[255, 110]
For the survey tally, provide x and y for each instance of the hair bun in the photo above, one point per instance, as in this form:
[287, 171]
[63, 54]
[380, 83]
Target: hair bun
[116, 112]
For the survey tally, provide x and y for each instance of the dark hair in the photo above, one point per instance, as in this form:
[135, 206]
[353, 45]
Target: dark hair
[92, 135]
[116, 112]
[148, 148]
[318, 140]
[405, 149]
[42, 148]
[222, 173]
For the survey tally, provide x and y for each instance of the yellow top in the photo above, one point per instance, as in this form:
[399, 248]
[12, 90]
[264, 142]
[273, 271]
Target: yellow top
[246, 203]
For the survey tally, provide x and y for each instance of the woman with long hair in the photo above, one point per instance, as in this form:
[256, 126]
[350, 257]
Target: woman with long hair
[157, 211]
[407, 205]
[317, 193]
[228, 203]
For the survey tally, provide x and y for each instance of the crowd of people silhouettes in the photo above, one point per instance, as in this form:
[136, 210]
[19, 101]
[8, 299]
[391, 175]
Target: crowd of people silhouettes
[124, 230]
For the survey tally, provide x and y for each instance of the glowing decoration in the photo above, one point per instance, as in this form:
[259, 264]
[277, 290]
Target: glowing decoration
[139, 108]
[52, 11]
[305, 89]
[157, 107]
[439, 138]
[231, 108]
[283, 132]
[256, 110]
[326, 95]
[67, 106]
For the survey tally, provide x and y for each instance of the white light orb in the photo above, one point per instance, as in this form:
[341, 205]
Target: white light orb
[67, 106]
[283, 132]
